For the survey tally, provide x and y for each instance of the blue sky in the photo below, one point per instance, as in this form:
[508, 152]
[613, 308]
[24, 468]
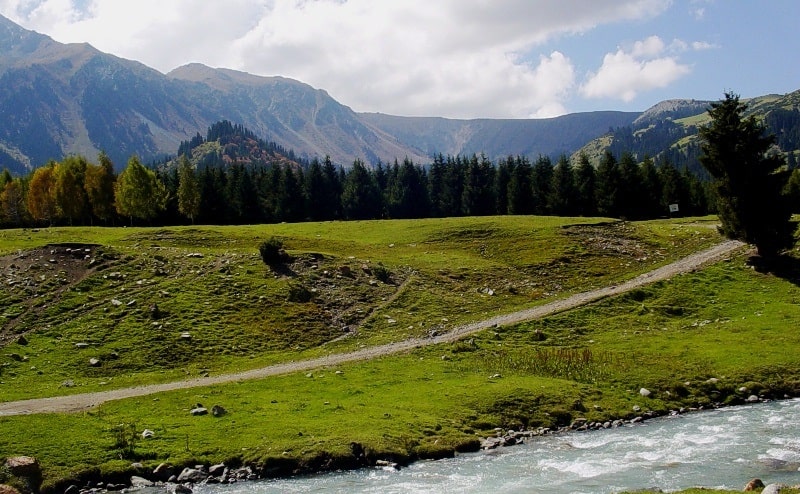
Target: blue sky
[456, 58]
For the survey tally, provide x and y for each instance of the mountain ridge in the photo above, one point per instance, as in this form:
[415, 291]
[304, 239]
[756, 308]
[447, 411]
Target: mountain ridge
[60, 99]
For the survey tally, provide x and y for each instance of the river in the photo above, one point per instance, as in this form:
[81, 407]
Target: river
[722, 448]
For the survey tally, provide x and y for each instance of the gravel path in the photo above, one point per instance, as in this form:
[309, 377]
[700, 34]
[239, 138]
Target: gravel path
[81, 402]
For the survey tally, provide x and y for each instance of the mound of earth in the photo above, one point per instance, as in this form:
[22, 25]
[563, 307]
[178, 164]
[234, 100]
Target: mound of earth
[46, 271]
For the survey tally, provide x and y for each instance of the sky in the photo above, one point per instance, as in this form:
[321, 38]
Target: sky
[456, 58]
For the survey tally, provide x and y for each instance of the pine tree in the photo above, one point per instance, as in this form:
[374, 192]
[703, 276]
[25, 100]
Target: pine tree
[563, 191]
[748, 179]
[361, 199]
[541, 184]
[608, 186]
[585, 185]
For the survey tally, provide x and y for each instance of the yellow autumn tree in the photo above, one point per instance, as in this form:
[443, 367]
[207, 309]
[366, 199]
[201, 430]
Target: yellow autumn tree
[41, 199]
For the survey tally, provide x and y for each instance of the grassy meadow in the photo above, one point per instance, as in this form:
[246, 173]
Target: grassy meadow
[728, 322]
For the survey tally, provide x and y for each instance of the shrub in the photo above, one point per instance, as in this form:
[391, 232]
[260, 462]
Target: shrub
[381, 273]
[272, 251]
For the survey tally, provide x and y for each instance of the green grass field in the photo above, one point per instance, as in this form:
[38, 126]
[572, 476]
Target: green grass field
[728, 322]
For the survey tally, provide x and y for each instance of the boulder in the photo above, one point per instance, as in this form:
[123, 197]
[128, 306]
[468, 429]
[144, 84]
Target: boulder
[191, 475]
[218, 411]
[147, 434]
[94, 362]
[23, 466]
[752, 399]
[180, 489]
[163, 471]
[753, 485]
[199, 411]
[139, 482]
[774, 489]
[644, 392]
[216, 470]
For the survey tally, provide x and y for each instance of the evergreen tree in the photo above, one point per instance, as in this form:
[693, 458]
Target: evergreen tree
[407, 195]
[520, 193]
[502, 178]
[749, 181]
[563, 193]
[675, 189]
[651, 188]
[630, 197]
[585, 185]
[608, 186]
[541, 185]
[436, 186]
[360, 196]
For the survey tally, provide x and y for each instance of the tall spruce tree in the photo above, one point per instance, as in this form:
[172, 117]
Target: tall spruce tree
[749, 181]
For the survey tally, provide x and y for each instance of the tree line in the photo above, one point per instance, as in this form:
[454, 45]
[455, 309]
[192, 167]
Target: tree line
[77, 192]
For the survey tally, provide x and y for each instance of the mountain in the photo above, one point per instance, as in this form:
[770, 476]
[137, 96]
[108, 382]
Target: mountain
[500, 137]
[669, 130]
[60, 99]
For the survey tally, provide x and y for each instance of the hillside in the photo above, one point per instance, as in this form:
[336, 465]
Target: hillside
[101, 309]
[668, 130]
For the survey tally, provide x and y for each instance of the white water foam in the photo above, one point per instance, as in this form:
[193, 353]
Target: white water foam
[720, 449]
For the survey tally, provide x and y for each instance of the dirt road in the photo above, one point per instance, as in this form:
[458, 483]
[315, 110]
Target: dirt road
[80, 402]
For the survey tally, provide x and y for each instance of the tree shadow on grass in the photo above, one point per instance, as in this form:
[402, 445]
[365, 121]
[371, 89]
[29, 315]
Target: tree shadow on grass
[784, 266]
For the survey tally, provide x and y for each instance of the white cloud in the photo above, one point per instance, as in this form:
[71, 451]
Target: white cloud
[625, 74]
[456, 58]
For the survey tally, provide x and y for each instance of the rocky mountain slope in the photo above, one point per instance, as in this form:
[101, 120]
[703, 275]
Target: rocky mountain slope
[59, 99]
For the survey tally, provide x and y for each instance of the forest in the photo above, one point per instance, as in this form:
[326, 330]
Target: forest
[237, 185]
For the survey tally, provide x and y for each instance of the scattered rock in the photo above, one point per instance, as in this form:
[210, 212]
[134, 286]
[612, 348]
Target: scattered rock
[7, 489]
[180, 489]
[23, 466]
[752, 399]
[195, 255]
[191, 475]
[116, 302]
[163, 471]
[94, 362]
[753, 485]
[218, 411]
[22, 340]
[644, 392]
[199, 411]
[147, 434]
[81, 345]
[774, 488]
[387, 464]
[139, 482]
[69, 383]
[216, 470]
[186, 335]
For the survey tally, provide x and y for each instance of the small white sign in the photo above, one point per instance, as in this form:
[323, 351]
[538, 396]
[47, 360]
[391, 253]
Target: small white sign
[673, 208]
